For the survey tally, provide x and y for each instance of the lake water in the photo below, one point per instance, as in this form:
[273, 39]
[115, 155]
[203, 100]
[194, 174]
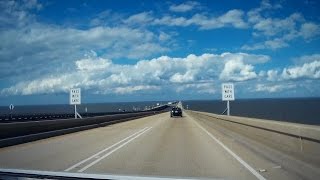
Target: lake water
[297, 110]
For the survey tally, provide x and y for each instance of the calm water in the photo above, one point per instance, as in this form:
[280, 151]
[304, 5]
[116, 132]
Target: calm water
[298, 110]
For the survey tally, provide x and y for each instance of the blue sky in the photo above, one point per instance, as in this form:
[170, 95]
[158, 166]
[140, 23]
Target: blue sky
[157, 50]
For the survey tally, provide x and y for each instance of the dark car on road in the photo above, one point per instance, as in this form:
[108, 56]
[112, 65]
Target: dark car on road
[176, 111]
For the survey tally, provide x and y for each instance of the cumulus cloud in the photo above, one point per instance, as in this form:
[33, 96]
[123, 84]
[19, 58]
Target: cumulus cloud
[28, 45]
[273, 88]
[16, 14]
[236, 70]
[197, 88]
[306, 59]
[140, 18]
[307, 67]
[189, 76]
[268, 44]
[184, 7]
[272, 75]
[89, 65]
[308, 70]
[309, 30]
[233, 18]
[132, 89]
[101, 75]
[50, 46]
[278, 32]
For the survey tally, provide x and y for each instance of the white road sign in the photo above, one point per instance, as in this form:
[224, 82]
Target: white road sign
[227, 92]
[75, 96]
[11, 106]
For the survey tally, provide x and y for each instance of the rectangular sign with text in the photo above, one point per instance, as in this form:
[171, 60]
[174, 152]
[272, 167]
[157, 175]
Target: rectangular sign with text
[227, 92]
[75, 96]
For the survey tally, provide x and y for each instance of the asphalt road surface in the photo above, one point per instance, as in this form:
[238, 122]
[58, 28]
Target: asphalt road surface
[157, 146]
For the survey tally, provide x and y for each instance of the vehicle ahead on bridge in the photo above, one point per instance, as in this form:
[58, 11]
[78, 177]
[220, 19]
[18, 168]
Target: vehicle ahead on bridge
[176, 111]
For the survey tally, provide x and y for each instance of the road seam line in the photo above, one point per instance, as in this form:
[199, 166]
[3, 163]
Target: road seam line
[102, 151]
[114, 150]
[246, 165]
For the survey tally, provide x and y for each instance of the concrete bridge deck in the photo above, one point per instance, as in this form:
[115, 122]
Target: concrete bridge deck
[159, 146]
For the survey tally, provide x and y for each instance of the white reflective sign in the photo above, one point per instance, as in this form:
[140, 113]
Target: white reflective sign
[75, 96]
[227, 92]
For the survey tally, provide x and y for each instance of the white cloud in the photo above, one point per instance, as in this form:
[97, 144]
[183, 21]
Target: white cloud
[268, 44]
[275, 26]
[172, 21]
[189, 76]
[306, 59]
[197, 88]
[272, 75]
[164, 36]
[132, 89]
[233, 18]
[277, 32]
[46, 46]
[236, 70]
[184, 7]
[307, 67]
[273, 88]
[17, 14]
[101, 75]
[95, 65]
[308, 70]
[140, 18]
[309, 30]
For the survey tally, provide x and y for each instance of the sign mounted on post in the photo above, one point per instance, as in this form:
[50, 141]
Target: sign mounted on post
[11, 107]
[227, 92]
[227, 95]
[75, 96]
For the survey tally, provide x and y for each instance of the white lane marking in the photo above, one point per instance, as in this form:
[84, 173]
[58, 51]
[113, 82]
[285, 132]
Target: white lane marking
[254, 172]
[69, 175]
[114, 150]
[102, 151]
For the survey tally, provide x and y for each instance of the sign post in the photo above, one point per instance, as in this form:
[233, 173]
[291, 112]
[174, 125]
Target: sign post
[75, 98]
[227, 95]
[11, 109]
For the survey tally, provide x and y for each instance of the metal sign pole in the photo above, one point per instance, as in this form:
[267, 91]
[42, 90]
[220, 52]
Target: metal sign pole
[11, 110]
[75, 111]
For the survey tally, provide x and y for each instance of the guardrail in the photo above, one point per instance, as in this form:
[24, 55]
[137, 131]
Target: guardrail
[21, 132]
[9, 118]
[300, 141]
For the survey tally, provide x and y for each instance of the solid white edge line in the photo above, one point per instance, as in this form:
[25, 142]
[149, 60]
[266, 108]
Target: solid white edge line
[114, 150]
[252, 170]
[102, 151]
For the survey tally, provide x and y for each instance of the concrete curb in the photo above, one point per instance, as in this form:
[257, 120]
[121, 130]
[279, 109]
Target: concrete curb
[297, 140]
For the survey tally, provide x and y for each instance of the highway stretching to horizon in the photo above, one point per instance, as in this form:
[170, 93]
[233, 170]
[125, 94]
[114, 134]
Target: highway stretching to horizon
[153, 146]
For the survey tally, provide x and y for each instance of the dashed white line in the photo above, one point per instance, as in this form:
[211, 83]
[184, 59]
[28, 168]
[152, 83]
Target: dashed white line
[114, 150]
[104, 150]
[246, 165]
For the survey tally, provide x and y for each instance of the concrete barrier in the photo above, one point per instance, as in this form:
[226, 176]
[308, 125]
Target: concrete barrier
[298, 140]
[22, 132]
